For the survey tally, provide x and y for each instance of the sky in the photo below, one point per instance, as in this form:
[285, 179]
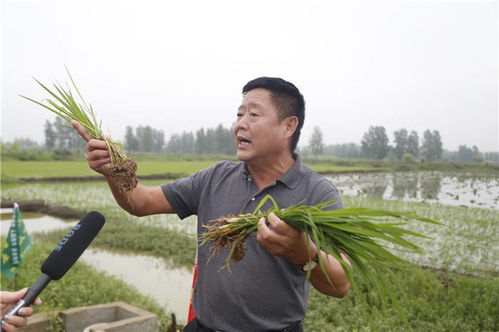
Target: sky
[180, 65]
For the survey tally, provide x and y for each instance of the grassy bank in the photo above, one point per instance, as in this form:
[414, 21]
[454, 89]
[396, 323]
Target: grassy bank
[183, 165]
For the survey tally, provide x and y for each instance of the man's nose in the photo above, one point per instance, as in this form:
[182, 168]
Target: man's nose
[242, 122]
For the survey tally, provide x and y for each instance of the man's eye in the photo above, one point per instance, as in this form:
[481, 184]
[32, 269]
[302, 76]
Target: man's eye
[253, 114]
[239, 115]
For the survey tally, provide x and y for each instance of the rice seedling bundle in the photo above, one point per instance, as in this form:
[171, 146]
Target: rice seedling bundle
[359, 233]
[72, 106]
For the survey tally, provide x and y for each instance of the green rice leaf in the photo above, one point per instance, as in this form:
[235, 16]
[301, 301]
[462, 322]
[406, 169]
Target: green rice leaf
[362, 234]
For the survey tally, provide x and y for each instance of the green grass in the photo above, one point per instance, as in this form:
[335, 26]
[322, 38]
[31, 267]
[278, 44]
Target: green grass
[433, 301]
[44, 169]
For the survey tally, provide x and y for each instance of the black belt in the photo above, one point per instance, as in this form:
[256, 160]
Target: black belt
[196, 326]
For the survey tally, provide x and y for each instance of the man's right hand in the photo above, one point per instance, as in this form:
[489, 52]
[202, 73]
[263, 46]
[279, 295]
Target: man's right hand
[97, 155]
[146, 200]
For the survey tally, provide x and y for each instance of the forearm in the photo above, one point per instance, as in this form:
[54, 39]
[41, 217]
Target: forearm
[338, 284]
[142, 200]
[128, 201]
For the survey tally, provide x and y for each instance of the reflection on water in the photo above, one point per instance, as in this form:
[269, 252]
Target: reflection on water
[34, 222]
[435, 187]
[430, 187]
[404, 188]
[170, 287]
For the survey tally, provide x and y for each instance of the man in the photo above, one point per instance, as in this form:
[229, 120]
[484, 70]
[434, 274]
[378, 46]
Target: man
[267, 290]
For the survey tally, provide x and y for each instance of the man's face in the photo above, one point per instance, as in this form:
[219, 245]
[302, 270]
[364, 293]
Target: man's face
[259, 134]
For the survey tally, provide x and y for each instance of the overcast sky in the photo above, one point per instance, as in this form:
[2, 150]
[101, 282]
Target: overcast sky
[180, 65]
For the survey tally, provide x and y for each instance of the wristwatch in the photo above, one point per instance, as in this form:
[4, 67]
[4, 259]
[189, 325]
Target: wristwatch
[310, 265]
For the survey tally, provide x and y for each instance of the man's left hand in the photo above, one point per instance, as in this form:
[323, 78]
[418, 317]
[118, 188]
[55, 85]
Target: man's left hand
[283, 240]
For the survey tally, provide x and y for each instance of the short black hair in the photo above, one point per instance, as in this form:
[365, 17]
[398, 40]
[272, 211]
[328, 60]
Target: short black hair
[287, 98]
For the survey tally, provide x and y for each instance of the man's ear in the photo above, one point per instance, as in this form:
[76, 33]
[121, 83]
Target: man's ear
[291, 125]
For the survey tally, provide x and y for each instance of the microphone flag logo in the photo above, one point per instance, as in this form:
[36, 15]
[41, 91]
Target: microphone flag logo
[16, 247]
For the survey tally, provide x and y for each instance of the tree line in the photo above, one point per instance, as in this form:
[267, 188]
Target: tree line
[406, 145]
[218, 140]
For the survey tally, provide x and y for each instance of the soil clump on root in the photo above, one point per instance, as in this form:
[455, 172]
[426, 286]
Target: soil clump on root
[221, 237]
[125, 173]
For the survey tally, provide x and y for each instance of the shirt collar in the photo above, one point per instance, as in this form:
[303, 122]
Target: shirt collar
[294, 175]
[290, 179]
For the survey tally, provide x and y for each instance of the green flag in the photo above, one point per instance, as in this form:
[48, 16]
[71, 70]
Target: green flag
[18, 245]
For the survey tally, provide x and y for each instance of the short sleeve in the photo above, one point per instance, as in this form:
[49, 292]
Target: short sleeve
[184, 195]
[335, 198]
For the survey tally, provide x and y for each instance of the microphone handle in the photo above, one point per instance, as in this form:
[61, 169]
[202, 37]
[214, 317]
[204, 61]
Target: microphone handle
[30, 296]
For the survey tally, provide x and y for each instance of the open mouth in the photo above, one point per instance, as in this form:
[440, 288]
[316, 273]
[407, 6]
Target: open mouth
[243, 141]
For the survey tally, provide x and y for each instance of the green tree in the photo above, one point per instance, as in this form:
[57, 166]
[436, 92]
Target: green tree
[344, 150]
[187, 142]
[413, 144]
[66, 137]
[50, 136]
[316, 142]
[401, 143]
[431, 148]
[375, 143]
[467, 155]
[131, 142]
[159, 140]
[200, 144]
[145, 137]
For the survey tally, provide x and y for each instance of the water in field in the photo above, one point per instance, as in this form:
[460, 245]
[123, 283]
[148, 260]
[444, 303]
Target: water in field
[34, 222]
[88, 196]
[151, 276]
[455, 189]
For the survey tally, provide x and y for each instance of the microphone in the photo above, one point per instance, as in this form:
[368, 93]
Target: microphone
[64, 255]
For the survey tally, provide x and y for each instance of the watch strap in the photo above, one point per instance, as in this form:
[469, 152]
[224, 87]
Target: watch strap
[311, 264]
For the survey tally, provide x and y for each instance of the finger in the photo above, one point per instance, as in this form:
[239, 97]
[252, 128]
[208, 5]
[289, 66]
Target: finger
[265, 233]
[81, 130]
[262, 229]
[16, 321]
[97, 154]
[11, 297]
[38, 301]
[277, 224]
[25, 311]
[96, 144]
[101, 163]
[8, 327]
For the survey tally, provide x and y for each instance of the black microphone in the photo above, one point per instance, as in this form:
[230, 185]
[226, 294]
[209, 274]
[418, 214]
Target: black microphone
[64, 255]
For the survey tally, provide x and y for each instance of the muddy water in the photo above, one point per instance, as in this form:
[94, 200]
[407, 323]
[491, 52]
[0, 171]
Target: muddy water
[432, 187]
[34, 222]
[169, 286]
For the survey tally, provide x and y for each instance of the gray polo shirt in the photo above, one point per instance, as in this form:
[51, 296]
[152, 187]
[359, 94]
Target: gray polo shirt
[263, 292]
